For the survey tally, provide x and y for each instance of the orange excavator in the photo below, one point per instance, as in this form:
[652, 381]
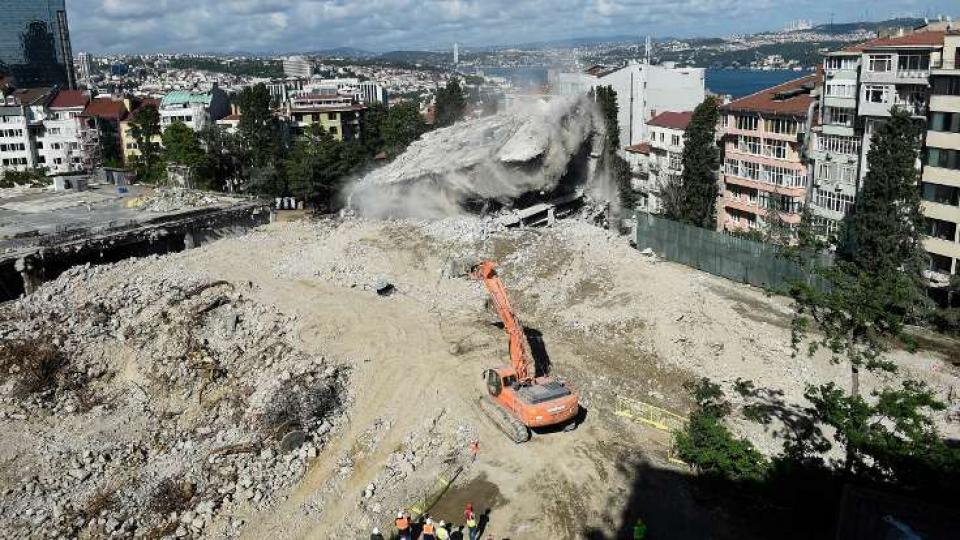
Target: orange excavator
[517, 399]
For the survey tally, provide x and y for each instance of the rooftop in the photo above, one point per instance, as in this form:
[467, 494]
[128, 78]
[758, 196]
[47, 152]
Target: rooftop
[106, 108]
[672, 120]
[791, 98]
[32, 96]
[70, 99]
[642, 148]
[917, 39]
[186, 97]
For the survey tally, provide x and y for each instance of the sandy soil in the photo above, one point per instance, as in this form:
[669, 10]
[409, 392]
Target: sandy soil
[613, 322]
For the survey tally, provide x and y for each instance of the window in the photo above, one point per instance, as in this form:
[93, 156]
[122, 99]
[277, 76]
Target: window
[53, 131]
[42, 160]
[946, 86]
[675, 140]
[748, 145]
[937, 228]
[750, 170]
[842, 89]
[879, 63]
[748, 123]
[783, 176]
[55, 146]
[838, 145]
[829, 200]
[333, 130]
[781, 203]
[940, 264]
[942, 157]
[39, 145]
[941, 194]
[838, 62]
[875, 93]
[661, 136]
[837, 116]
[784, 126]
[835, 172]
[775, 149]
[676, 162]
[913, 62]
[942, 121]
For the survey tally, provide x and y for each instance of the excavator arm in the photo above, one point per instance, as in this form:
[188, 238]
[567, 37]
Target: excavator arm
[520, 358]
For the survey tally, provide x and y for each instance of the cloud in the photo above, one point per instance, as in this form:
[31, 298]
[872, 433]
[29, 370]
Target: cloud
[305, 25]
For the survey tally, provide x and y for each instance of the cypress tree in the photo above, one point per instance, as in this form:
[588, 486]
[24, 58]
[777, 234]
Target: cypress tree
[692, 198]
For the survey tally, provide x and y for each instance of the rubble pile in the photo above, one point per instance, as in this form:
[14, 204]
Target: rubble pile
[491, 160]
[168, 398]
[163, 200]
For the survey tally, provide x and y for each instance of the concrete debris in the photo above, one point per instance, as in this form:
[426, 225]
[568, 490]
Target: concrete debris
[162, 378]
[164, 200]
[488, 161]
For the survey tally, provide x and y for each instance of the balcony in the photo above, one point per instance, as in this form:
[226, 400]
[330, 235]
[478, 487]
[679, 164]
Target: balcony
[944, 66]
[870, 108]
[939, 175]
[944, 103]
[898, 76]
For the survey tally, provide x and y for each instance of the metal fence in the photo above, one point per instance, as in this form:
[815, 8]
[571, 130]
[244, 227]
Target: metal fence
[720, 254]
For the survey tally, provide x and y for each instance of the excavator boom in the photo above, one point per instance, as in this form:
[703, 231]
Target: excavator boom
[520, 358]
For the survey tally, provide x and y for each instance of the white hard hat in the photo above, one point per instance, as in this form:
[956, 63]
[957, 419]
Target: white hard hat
[376, 530]
[400, 514]
[443, 523]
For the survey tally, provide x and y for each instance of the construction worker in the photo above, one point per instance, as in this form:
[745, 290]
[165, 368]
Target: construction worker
[429, 530]
[470, 518]
[442, 532]
[375, 535]
[403, 526]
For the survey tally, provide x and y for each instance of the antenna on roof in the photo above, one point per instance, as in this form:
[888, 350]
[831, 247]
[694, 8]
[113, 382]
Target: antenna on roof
[647, 48]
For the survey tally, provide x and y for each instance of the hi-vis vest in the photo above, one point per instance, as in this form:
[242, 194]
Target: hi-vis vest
[442, 534]
[428, 528]
[471, 522]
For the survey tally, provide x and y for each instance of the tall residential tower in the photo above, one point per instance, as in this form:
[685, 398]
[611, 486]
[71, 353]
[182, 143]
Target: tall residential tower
[35, 43]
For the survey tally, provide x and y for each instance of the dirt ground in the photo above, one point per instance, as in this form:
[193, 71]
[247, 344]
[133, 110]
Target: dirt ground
[613, 322]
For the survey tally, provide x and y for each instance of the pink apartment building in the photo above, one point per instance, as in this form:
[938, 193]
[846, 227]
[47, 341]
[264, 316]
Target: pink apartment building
[763, 170]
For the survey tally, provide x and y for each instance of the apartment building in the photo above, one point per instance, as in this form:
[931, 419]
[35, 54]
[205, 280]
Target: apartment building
[763, 170]
[337, 115]
[22, 112]
[643, 91]
[666, 154]
[940, 186]
[67, 142]
[196, 110]
[835, 142]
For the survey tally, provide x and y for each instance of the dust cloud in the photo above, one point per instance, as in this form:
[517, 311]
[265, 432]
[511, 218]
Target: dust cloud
[495, 158]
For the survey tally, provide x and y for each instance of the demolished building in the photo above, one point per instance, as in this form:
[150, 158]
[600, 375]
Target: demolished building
[544, 152]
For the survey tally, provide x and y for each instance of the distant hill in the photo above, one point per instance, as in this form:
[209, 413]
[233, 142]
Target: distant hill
[873, 26]
[573, 42]
[343, 52]
[416, 57]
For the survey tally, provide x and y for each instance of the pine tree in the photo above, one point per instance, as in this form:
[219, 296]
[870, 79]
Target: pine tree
[401, 126]
[451, 104]
[616, 167]
[692, 198]
[145, 127]
[876, 284]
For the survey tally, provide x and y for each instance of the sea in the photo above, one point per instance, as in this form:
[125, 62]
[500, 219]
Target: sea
[733, 82]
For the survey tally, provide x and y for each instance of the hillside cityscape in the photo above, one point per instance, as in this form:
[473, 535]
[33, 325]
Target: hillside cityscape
[275, 289]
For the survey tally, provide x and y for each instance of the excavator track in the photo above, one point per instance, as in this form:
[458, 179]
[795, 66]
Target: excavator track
[510, 426]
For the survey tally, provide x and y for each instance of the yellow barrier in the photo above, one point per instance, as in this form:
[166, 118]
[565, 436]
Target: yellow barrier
[651, 415]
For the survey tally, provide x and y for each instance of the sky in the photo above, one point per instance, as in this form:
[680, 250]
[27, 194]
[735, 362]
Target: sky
[278, 26]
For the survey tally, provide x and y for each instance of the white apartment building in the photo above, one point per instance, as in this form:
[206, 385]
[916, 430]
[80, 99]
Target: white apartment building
[643, 92]
[666, 154]
[21, 117]
[297, 66]
[195, 109]
[66, 143]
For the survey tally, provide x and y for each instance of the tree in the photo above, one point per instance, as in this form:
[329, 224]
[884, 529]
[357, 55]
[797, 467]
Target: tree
[692, 198]
[318, 167]
[372, 136]
[259, 129]
[707, 444]
[31, 177]
[876, 283]
[182, 147]
[111, 154]
[451, 104]
[402, 125]
[145, 128]
[616, 167]
[223, 158]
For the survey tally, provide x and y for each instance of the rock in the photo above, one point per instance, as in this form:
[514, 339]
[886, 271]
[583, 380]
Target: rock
[371, 488]
[292, 440]
[181, 532]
